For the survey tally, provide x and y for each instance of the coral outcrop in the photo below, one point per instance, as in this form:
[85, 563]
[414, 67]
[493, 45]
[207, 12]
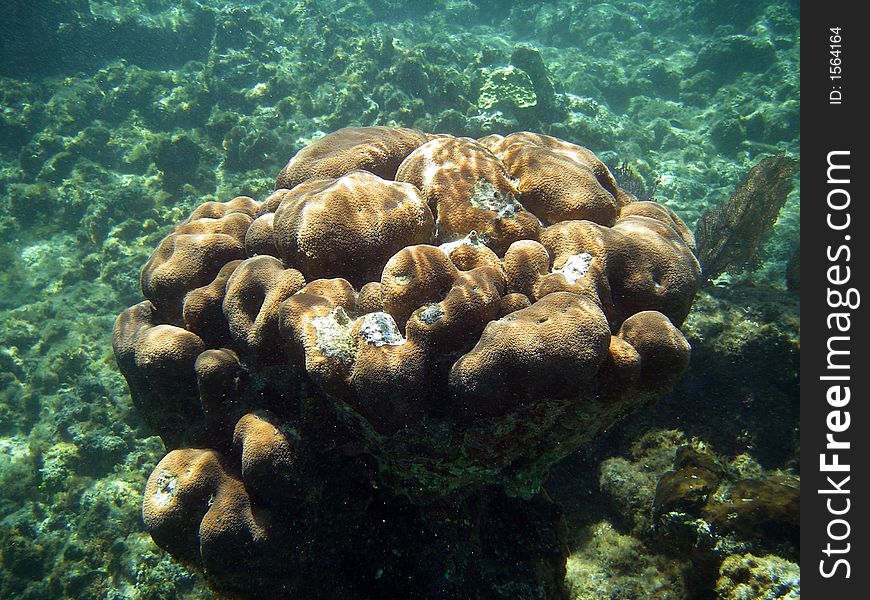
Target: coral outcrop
[435, 319]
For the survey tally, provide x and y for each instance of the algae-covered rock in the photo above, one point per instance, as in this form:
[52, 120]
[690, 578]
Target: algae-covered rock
[608, 564]
[58, 465]
[508, 88]
[727, 56]
[705, 508]
[744, 576]
[629, 482]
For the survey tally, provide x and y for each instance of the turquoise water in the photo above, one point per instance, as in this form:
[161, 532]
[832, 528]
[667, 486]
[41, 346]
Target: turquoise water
[119, 118]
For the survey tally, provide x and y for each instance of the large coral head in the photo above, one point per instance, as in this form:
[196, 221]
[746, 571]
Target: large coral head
[462, 313]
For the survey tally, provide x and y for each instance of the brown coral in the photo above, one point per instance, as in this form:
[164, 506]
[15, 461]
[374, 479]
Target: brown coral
[326, 321]
[516, 143]
[550, 349]
[490, 318]
[193, 254]
[349, 226]
[157, 361]
[378, 150]
[267, 452]
[194, 506]
[254, 292]
[644, 262]
[468, 189]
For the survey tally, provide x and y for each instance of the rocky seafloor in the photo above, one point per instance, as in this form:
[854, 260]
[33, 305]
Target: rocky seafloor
[118, 118]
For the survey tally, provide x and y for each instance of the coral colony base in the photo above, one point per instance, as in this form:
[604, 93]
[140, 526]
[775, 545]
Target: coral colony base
[404, 336]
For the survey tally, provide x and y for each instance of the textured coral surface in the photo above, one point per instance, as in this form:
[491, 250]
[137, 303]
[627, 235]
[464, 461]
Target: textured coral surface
[122, 116]
[449, 307]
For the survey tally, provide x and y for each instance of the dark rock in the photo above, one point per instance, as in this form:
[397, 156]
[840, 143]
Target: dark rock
[728, 134]
[729, 56]
[178, 158]
[793, 270]
[759, 508]
[688, 487]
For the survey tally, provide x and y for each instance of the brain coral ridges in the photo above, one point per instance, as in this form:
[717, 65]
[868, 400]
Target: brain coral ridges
[466, 311]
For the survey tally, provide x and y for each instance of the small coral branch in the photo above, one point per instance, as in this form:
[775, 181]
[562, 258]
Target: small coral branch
[729, 235]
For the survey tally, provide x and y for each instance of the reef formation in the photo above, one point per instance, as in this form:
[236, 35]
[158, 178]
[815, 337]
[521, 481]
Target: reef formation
[412, 326]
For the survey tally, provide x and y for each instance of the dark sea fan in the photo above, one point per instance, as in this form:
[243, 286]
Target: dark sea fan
[729, 235]
[631, 181]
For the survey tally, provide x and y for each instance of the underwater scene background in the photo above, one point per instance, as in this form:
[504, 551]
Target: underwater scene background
[119, 118]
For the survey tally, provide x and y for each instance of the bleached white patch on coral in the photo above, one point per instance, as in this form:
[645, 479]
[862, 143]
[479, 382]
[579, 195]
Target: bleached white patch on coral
[380, 329]
[333, 334]
[166, 486]
[431, 314]
[575, 267]
[472, 239]
[487, 197]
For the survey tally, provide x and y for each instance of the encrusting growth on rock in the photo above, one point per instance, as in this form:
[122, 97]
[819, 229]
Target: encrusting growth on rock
[450, 316]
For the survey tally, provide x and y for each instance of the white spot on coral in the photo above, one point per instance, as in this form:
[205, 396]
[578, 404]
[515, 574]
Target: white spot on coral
[575, 267]
[380, 329]
[333, 334]
[165, 492]
[431, 314]
[472, 239]
[487, 197]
